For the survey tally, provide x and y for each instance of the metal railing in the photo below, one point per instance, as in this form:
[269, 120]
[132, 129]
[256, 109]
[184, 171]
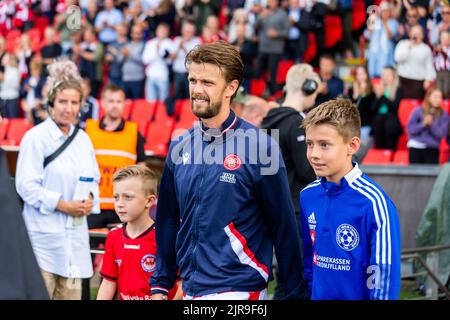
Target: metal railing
[431, 266]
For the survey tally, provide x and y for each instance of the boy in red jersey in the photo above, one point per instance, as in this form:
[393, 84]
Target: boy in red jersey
[130, 254]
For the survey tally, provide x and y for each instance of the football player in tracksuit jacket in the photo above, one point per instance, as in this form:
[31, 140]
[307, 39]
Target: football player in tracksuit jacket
[219, 213]
[350, 227]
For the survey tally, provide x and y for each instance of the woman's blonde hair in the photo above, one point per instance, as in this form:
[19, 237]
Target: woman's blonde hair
[63, 74]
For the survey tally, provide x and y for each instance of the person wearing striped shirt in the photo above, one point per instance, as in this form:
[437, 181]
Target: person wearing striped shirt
[442, 63]
[350, 227]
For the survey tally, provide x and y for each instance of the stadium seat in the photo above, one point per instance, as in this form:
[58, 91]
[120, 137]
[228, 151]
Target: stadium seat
[446, 105]
[41, 23]
[142, 113]
[35, 39]
[3, 129]
[283, 68]
[16, 130]
[257, 87]
[12, 40]
[358, 15]
[444, 152]
[375, 81]
[378, 156]
[401, 157]
[311, 50]
[159, 132]
[126, 111]
[404, 110]
[333, 30]
[184, 111]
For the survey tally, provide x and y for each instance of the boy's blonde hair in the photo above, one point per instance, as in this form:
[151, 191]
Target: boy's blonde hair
[148, 177]
[339, 113]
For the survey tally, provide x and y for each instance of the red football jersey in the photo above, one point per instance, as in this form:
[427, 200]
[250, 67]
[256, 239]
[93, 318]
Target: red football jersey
[131, 262]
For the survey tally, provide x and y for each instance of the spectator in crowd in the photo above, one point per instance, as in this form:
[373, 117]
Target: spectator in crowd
[427, 126]
[202, 9]
[135, 16]
[91, 12]
[31, 91]
[63, 28]
[51, 50]
[362, 95]
[331, 86]
[254, 114]
[248, 50]
[301, 89]
[412, 19]
[117, 143]
[293, 48]
[76, 39]
[414, 64]
[106, 21]
[273, 26]
[386, 127]
[229, 10]
[319, 10]
[58, 195]
[2, 52]
[24, 54]
[211, 31]
[164, 13]
[89, 108]
[381, 32]
[182, 45]
[91, 60]
[344, 9]
[114, 55]
[156, 58]
[442, 64]
[133, 70]
[10, 87]
[240, 17]
[440, 27]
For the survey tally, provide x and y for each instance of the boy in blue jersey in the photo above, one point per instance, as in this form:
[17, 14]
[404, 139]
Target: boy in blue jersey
[350, 227]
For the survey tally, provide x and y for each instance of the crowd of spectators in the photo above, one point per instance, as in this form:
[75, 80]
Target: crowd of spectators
[140, 45]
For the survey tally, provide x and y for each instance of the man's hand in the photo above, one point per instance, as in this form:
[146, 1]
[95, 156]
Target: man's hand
[159, 296]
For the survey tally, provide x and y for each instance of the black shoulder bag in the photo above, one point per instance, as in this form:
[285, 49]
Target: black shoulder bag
[63, 147]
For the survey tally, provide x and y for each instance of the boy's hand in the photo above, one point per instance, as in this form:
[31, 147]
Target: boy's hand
[159, 296]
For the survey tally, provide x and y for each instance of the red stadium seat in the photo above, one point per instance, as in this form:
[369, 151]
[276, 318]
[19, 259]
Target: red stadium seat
[41, 23]
[3, 129]
[444, 152]
[184, 111]
[35, 39]
[159, 132]
[405, 108]
[359, 17]
[378, 156]
[16, 130]
[311, 50]
[257, 87]
[12, 40]
[142, 113]
[283, 68]
[375, 81]
[446, 105]
[333, 30]
[401, 157]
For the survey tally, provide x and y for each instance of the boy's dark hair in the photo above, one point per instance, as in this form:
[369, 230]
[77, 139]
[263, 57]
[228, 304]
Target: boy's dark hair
[148, 177]
[327, 56]
[339, 113]
[221, 54]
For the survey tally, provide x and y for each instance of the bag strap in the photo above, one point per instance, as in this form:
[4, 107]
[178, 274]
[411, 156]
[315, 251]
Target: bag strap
[63, 147]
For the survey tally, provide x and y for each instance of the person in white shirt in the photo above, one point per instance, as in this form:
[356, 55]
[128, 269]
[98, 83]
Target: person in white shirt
[156, 58]
[414, 64]
[10, 86]
[106, 21]
[182, 45]
[58, 197]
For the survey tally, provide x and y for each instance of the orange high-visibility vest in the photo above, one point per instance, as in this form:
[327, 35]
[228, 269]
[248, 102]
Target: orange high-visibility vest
[113, 150]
